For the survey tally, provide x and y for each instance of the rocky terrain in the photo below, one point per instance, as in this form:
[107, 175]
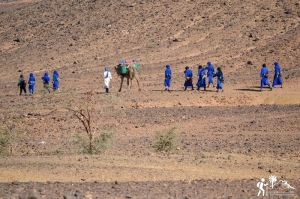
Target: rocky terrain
[225, 142]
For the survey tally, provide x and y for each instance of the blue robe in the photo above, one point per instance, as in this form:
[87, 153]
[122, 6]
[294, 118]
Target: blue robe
[264, 79]
[168, 76]
[219, 82]
[31, 83]
[55, 80]
[202, 78]
[277, 75]
[188, 78]
[210, 72]
[46, 78]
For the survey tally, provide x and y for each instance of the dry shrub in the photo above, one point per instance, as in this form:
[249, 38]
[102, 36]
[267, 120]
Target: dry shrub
[165, 141]
[85, 114]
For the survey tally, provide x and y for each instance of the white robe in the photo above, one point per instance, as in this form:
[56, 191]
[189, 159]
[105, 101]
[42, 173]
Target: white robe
[107, 78]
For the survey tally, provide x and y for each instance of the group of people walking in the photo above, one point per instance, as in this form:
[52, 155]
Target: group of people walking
[264, 75]
[32, 82]
[205, 76]
[207, 73]
[204, 73]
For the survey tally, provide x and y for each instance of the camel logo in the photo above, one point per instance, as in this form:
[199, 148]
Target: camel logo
[282, 185]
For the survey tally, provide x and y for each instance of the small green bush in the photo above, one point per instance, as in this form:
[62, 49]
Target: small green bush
[104, 141]
[100, 143]
[165, 141]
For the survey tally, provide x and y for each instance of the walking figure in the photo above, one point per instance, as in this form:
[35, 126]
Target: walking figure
[210, 72]
[188, 74]
[55, 80]
[46, 80]
[22, 84]
[201, 78]
[220, 80]
[277, 75]
[31, 83]
[168, 77]
[261, 185]
[107, 77]
[264, 75]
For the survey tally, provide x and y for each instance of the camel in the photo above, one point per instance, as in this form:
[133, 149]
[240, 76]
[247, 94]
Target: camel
[130, 74]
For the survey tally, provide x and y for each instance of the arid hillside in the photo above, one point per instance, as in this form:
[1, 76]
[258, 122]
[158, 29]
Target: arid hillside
[225, 142]
[88, 35]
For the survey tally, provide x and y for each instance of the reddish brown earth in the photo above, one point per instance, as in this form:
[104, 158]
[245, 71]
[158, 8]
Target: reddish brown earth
[225, 142]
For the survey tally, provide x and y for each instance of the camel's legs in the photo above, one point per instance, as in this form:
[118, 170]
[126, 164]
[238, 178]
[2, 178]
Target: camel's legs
[122, 78]
[128, 82]
[137, 80]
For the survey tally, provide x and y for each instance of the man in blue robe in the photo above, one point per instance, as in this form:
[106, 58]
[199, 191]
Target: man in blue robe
[188, 74]
[201, 78]
[55, 80]
[46, 81]
[220, 80]
[277, 75]
[264, 75]
[210, 72]
[31, 83]
[168, 77]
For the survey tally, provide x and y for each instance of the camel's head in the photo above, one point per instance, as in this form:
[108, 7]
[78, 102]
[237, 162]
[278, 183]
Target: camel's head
[131, 67]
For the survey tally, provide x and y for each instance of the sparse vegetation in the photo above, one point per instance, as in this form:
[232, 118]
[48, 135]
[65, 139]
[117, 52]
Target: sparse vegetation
[104, 141]
[9, 136]
[58, 151]
[100, 143]
[84, 113]
[165, 141]
[90, 144]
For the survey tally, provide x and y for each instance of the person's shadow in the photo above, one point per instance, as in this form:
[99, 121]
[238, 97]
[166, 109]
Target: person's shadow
[252, 89]
[182, 90]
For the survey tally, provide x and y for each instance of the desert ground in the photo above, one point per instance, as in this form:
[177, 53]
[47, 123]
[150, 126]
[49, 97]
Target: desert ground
[224, 142]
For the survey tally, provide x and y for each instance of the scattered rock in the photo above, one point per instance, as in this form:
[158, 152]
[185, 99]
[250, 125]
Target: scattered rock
[260, 167]
[30, 195]
[18, 39]
[15, 183]
[88, 196]
[69, 196]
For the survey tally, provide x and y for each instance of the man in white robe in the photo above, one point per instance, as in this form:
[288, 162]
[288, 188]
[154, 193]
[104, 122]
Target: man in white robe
[107, 77]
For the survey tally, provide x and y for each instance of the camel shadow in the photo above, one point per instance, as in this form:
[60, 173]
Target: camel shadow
[100, 92]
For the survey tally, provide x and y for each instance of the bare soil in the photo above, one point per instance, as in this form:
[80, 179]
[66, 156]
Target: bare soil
[225, 141]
